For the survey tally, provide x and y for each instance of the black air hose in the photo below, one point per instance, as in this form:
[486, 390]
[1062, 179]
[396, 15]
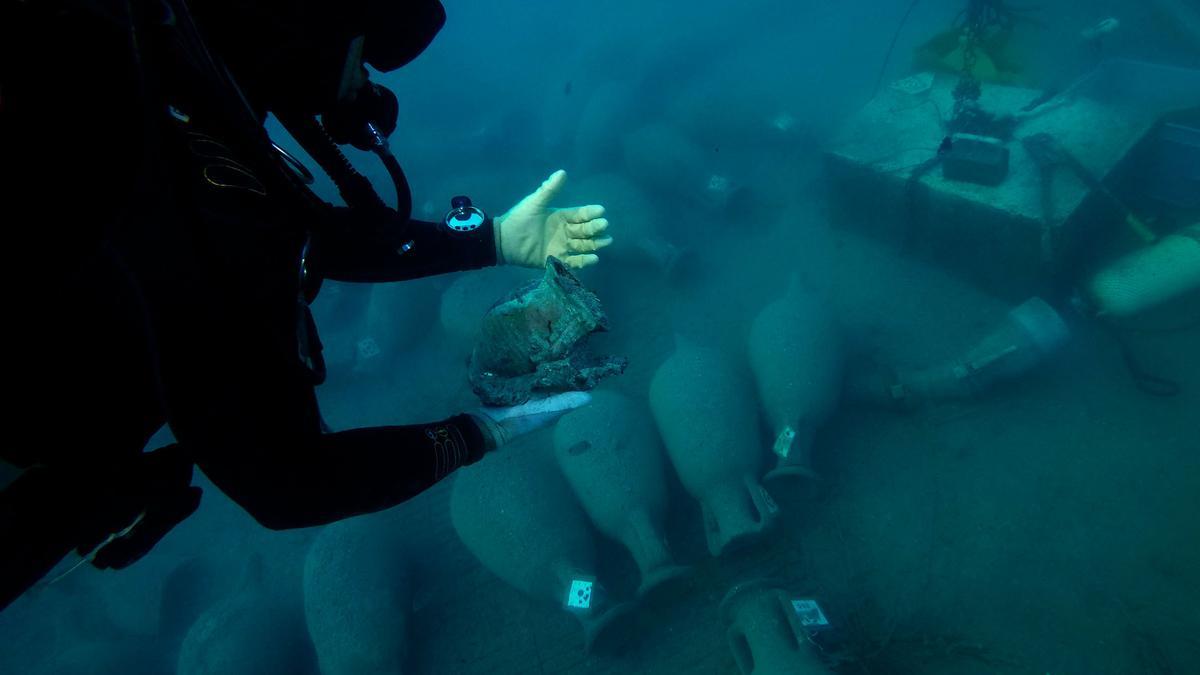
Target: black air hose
[355, 189]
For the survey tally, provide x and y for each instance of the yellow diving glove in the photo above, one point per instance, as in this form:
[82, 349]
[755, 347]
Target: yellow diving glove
[532, 230]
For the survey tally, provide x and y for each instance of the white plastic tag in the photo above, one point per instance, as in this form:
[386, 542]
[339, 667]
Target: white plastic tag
[783, 443]
[580, 594]
[810, 613]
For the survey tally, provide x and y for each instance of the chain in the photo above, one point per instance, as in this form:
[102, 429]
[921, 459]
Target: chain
[968, 90]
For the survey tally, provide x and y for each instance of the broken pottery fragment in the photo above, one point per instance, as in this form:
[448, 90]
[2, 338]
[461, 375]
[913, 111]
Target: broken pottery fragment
[531, 342]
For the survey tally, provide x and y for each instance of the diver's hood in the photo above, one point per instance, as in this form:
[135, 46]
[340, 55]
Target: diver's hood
[398, 31]
[291, 55]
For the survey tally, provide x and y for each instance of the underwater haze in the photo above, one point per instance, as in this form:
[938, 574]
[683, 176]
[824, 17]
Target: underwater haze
[934, 372]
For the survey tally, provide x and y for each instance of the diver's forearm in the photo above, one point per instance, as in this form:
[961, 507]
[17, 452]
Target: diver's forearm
[338, 475]
[353, 248]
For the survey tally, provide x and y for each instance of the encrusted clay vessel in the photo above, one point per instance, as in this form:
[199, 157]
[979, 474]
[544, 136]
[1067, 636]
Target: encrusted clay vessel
[796, 355]
[610, 454]
[704, 408]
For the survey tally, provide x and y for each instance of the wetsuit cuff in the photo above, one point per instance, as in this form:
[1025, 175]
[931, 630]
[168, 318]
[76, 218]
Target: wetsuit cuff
[476, 438]
[496, 229]
[479, 247]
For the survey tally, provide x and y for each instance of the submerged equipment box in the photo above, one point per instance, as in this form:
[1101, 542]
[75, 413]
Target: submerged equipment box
[1012, 237]
[976, 159]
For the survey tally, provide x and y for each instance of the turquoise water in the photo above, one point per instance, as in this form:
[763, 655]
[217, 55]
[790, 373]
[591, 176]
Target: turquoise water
[1047, 525]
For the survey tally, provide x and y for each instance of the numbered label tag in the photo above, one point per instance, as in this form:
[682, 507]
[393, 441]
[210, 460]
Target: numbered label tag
[810, 614]
[579, 597]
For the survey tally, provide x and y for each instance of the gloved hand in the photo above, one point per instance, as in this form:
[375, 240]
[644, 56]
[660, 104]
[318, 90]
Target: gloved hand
[501, 426]
[159, 484]
[532, 230]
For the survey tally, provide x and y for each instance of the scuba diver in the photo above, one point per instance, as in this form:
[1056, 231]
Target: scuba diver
[164, 252]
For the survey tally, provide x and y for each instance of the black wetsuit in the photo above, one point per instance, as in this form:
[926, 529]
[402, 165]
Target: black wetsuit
[155, 280]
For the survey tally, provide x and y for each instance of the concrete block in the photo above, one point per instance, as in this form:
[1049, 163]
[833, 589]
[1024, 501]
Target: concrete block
[1009, 238]
[976, 159]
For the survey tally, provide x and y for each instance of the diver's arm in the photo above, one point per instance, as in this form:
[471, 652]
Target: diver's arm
[319, 478]
[378, 247]
[288, 482]
[326, 477]
[359, 246]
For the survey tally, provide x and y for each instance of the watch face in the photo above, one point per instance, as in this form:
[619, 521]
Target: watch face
[465, 219]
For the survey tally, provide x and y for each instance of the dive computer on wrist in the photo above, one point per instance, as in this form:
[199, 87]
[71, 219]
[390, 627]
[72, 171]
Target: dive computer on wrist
[463, 217]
